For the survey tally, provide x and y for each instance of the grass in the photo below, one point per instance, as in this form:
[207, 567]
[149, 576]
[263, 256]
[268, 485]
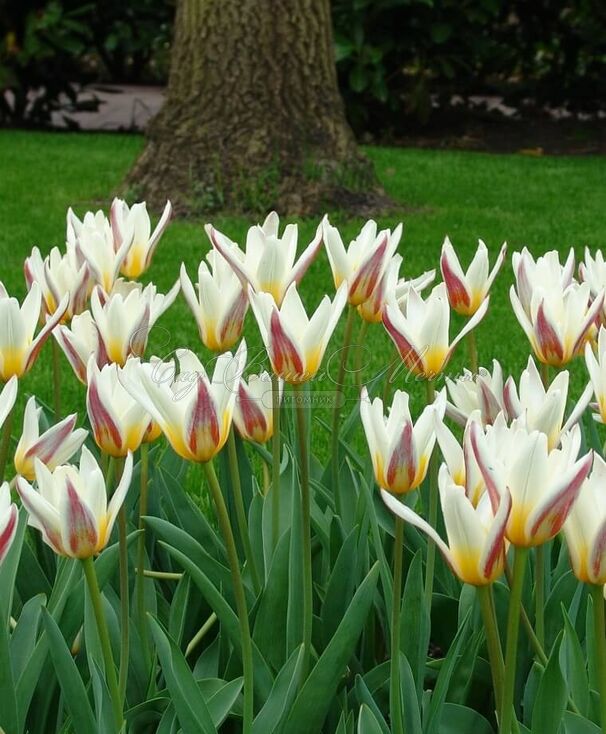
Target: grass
[544, 203]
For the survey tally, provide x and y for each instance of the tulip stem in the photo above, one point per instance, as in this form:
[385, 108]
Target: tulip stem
[513, 627]
[275, 461]
[493, 642]
[359, 347]
[236, 485]
[56, 379]
[306, 527]
[390, 374]
[545, 374]
[539, 594]
[336, 414]
[140, 581]
[433, 512]
[597, 597]
[395, 695]
[124, 602]
[200, 634]
[6, 441]
[108, 658]
[234, 565]
[472, 349]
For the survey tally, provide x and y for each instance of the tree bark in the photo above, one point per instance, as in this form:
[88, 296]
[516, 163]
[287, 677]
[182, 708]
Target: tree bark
[253, 117]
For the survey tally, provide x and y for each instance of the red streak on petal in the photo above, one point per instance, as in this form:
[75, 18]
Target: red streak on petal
[7, 534]
[50, 442]
[203, 421]
[105, 429]
[456, 289]
[286, 358]
[409, 354]
[402, 457]
[253, 416]
[549, 341]
[82, 532]
[232, 323]
[367, 277]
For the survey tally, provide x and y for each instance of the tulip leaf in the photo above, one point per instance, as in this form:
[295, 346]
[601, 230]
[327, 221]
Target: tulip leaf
[367, 722]
[179, 610]
[221, 702]
[364, 696]
[294, 617]
[192, 710]
[103, 701]
[551, 698]
[414, 632]
[340, 587]
[9, 718]
[227, 617]
[574, 669]
[23, 639]
[457, 719]
[575, 724]
[72, 687]
[282, 695]
[313, 702]
[410, 701]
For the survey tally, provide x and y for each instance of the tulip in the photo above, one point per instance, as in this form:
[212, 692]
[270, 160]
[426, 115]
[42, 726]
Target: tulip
[546, 272]
[93, 242]
[125, 318]
[364, 262]
[596, 366]
[79, 341]
[58, 275]
[420, 330]
[268, 264]
[543, 409]
[135, 220]
[220, 304]
[18, 348]
[70, 507]
[543, 484]
[53, 447]
[558, 320]
[193, 412]
[118, 421]
[467, 291]
[253, 412]
[585, 528]
[399, 450]
[294, 342]
[470, 393]
[8, 396]
[476, 535]
[9, 519]
[460, 460]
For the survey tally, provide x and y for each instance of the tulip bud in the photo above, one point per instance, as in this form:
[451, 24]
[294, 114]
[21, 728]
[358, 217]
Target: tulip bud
[53, 447]
[79, 341]
[135, 220]
[253, 411]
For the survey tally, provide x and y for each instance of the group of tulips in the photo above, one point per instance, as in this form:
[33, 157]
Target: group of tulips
[509, 473]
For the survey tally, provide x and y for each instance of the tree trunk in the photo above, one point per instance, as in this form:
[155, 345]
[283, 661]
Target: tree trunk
[253, 118]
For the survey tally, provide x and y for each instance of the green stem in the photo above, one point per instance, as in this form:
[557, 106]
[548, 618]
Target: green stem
[597, 596]
[200, 634]
[162, 575]
[275, 462]
[140, 581]
[336, 415]
[493, 642]
[124, 602]
[359, 348]
[472, 349]
[234, 565]
[545, 374]
[391, 374]
[539, 594]
[6, 441]
[513, 627]
[236, 484]
[306, 527]
[433, 512]
[395, 695]
[56, 378]
[110, 668]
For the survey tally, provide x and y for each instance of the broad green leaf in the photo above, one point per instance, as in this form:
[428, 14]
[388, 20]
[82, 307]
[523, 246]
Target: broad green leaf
[9, 718]
[414, 624]
[23, 639]
[364, 696]
[313, 702]
[457, 719]
[103, 702]
[340, 588]
[192, 710]
[410, 701]
[179, 610]
[551, 698]
[72, 687]
[222, 701]
[575, 724]
[282, 695]
[573, 665]
[367, 722]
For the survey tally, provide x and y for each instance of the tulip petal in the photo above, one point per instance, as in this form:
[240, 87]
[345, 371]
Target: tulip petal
[80, 532]
[45, 332]
[495, 542]
[7, 534]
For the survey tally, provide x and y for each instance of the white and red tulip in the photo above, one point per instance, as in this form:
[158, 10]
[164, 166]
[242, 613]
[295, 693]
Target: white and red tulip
[545, 272]
[482, 392]
[460, 459]
[18, 347]
[69, 506]
[253, 410]
[9, 520]
[118, 421]
[58, 275]
[596, 366]
[543, 484]
[194, 412]
[79, 341]
[52, 447]
[268, 263]
[296, 343]
[134, 221]
[585, 528]
[476, 534]
[125, 317]
[220, 303]
[364, 262]
[419, 329]
[399, 450]
[467, 290]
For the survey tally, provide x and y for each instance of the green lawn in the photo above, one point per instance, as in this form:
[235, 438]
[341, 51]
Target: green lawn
[543, 203]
